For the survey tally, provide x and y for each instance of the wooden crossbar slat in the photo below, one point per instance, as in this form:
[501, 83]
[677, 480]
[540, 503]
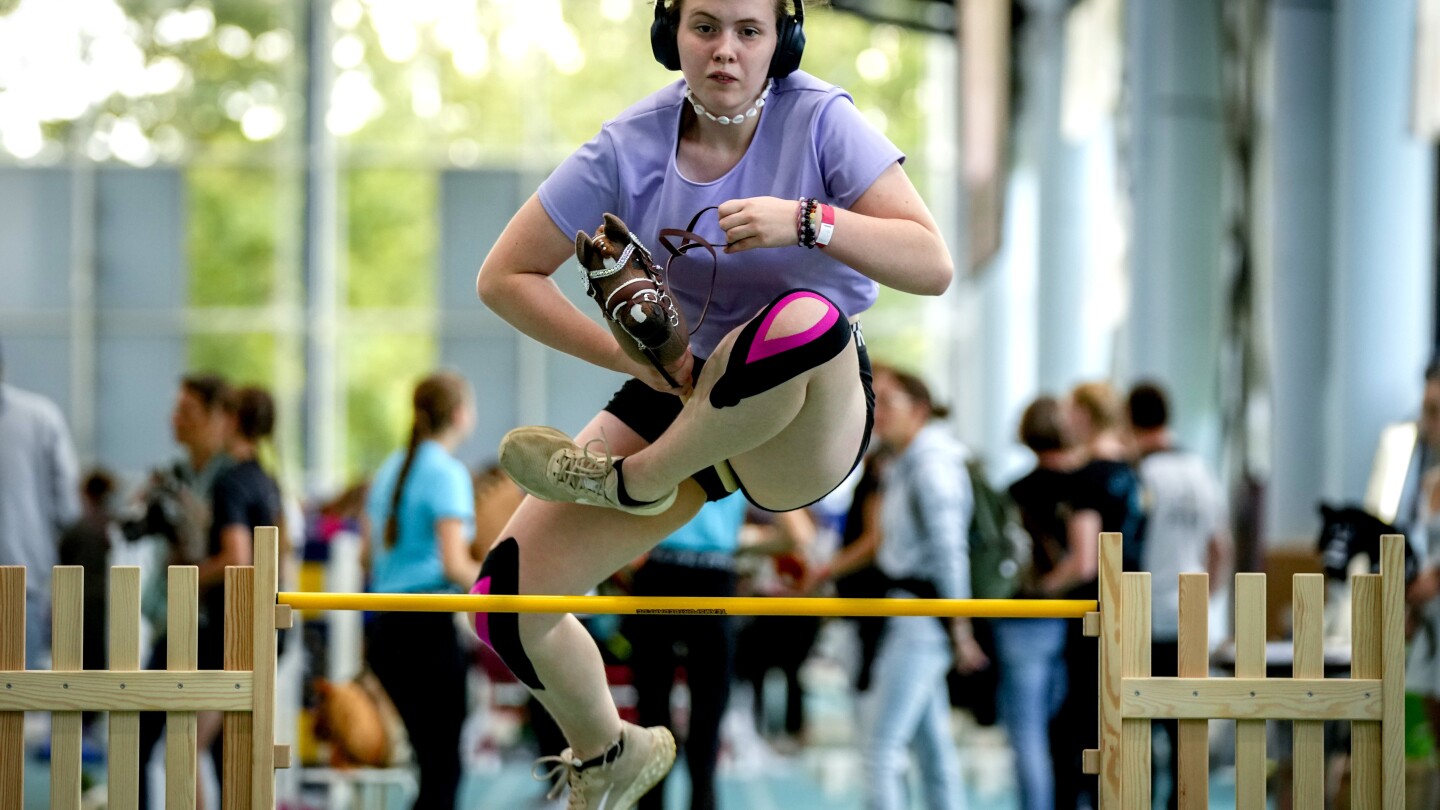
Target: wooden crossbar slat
[1135, 664]
[67, 646]
[123, 753]
[1250, 766]
[1392, 634]
[1251, 698]
[238, 727]
[103, 691]
[1193, 755]
[12, 656]
[1309, 750]
[181, 732]
[1366, 659]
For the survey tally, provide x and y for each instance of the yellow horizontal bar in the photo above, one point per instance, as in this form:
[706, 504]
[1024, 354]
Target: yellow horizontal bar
[1250, 698]
[693, 605]
[106, 691]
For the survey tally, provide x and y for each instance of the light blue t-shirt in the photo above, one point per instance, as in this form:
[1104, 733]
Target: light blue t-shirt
[810, 141]
[716, 527]
[437, 487]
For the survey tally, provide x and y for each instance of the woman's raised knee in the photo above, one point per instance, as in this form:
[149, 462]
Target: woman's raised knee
[798, 331]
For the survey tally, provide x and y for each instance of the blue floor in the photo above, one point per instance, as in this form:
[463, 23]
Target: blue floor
[795, 790]
[790, 785]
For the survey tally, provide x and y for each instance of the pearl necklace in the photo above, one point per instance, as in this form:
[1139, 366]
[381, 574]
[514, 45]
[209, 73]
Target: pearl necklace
[725, 119]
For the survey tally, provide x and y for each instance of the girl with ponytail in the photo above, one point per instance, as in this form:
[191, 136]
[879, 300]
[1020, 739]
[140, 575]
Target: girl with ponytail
[419, 519]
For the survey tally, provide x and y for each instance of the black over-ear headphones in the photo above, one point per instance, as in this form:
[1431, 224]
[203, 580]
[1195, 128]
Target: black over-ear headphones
[789, 45]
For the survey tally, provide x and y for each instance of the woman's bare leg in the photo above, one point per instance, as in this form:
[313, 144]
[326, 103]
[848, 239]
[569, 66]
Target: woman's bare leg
[568, 549]
[790, 444]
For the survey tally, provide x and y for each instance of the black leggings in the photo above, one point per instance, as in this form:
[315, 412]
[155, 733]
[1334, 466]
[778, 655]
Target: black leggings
[418, 659]
[705, 646]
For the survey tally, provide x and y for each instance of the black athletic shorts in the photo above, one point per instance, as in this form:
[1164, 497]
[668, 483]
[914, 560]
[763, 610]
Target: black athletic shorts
[650, 413]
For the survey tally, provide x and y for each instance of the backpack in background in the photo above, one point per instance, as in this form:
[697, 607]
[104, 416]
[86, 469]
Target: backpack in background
[999, 544]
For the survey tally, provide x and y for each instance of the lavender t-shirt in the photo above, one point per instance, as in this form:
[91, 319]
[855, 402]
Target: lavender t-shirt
[810, 142]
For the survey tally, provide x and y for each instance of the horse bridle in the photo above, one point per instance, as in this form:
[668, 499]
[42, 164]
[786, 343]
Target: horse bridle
[689, 241]
[658, 275]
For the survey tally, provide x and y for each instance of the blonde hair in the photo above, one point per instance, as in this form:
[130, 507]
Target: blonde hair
[1099, 402]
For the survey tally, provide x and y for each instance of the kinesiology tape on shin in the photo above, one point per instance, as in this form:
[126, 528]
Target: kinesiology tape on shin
[500, 574]
[759, 362]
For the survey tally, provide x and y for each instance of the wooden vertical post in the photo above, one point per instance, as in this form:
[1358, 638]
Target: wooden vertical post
[1135, 663]
[1193, 755]
[1309, 755]
[1365, 662]
[1110, 669]
[262, 762]
[1392, 675]
[182, 640]
[124, 748]
[67, 645]
[12, 658]
[239, 656]
[1250, 770]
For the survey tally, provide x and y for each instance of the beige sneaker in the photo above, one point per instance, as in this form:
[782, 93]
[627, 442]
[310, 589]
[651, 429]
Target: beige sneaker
[547, 464]
[618, 784]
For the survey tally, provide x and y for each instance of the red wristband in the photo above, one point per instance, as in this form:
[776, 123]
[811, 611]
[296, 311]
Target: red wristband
[827, 225]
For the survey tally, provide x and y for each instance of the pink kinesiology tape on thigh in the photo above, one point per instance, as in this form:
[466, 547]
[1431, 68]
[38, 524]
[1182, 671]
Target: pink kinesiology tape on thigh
[759, 362]
[767, 346]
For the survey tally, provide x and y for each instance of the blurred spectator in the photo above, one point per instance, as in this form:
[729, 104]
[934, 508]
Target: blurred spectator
[38, 499]
[765, 643]
[496, 499]
[925, 509]
[1185, 532]
[341, 513]
[87, 544]
[1031, 652]
[853, 568]
[1105, 498]
[174, 505]
[243, 498]
[697, 560]
[417, 532]
[1418, 516]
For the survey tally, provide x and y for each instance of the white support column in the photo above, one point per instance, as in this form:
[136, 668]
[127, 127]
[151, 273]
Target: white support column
[1176, 163]
[1382, 240]
[1073, 188]
[1299, 189]
[324, 401]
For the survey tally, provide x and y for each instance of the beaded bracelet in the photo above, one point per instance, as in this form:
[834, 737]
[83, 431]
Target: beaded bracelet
[807, 232]
[815, 223]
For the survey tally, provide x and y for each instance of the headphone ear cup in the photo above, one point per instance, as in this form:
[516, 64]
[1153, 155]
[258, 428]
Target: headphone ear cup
[662, 38]
[789, 47]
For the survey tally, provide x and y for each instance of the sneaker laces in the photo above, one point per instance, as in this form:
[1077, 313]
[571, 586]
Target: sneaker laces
[586, 469]
[560, 766]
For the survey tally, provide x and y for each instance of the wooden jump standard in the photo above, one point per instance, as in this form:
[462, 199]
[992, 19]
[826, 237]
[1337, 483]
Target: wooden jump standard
[1373, 699]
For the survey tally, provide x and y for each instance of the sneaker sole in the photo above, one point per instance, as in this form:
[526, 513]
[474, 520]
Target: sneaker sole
[652, 773]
